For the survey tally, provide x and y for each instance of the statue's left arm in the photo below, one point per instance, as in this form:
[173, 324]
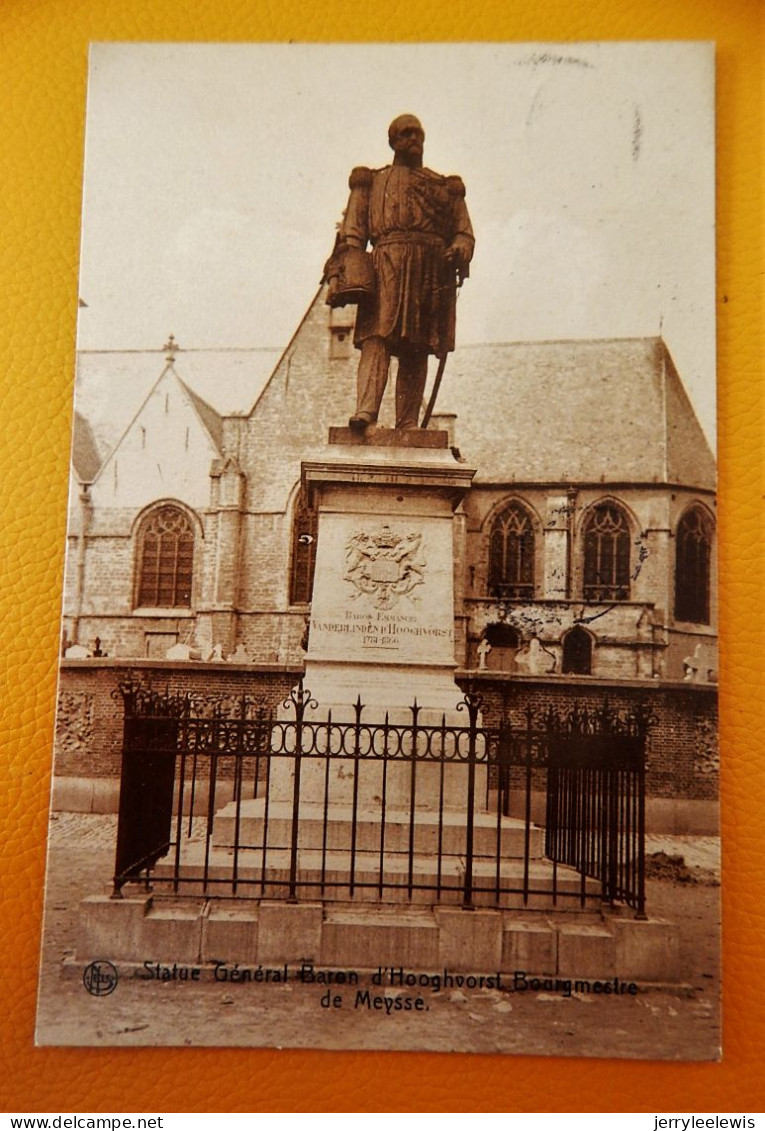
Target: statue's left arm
[460, 250]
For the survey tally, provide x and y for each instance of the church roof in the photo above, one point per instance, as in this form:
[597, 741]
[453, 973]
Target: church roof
[207, 414]
[575, 411]
[579, 411]
[86, 458]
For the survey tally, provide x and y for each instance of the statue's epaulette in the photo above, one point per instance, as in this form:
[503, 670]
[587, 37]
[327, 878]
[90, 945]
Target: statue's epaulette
[455, 186]
[360, 177]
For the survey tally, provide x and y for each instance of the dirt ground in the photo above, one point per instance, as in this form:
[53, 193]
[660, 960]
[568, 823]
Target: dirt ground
[655, 1024]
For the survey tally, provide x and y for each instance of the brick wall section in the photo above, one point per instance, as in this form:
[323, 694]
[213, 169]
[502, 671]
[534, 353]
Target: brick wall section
[682, 744]
[88, 740]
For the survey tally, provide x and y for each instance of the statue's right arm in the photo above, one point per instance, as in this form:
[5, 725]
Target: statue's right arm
[354, 230]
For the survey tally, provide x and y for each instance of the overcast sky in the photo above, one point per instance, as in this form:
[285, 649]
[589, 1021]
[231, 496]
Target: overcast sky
[215, 175]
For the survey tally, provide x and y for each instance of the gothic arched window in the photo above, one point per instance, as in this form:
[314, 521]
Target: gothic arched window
[511, 553]
[165, 559]
[577, 652]
[607, 555]
[304, 531]
[693, 554]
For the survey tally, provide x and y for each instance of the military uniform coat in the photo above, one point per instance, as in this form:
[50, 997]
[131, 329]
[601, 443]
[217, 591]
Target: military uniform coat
[410, 217]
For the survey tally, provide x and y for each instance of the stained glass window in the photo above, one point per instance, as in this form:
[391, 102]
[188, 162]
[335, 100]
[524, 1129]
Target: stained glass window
[511, 553]
[693, 554]
[166, 559]
[304, 530]
[606, 555]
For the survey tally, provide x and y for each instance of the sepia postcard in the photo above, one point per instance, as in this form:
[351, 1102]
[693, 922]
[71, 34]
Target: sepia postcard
[387, 706]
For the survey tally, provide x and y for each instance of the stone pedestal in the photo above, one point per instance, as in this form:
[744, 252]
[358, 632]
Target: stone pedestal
[382, 614]
[365, 935]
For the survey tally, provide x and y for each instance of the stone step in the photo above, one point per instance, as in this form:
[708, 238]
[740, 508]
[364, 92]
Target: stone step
[509, 832]
[547, 885]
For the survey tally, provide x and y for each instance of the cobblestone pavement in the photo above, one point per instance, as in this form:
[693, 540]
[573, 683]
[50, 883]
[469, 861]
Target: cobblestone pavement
[80, 829]
[657, 1023]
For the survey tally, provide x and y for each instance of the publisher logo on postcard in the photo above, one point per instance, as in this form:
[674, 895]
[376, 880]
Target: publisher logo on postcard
[100, 978]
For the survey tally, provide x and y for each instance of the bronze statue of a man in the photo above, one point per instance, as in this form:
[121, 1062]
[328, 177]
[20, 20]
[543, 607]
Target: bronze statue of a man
[422, 242]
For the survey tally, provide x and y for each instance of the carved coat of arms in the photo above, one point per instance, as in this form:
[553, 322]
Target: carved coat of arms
[384, 564]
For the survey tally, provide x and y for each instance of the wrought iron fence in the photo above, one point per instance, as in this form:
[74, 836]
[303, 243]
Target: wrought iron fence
[226, 797]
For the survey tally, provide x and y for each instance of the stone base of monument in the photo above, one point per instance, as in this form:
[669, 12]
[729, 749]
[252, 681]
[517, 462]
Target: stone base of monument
[362, 937]
[423, 829]
[395, 883]
[363, 782]
[419, 858]
[376, 904]
[381, 635]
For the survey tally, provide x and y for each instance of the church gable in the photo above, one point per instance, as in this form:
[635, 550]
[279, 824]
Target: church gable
[165, 452]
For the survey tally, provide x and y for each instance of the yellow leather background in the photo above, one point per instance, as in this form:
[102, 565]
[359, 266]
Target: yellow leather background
[43, 63]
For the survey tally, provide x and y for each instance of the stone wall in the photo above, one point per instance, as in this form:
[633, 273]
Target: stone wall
[558, 513]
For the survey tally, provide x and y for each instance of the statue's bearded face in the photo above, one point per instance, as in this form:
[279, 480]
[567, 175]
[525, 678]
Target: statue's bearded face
[407, 136]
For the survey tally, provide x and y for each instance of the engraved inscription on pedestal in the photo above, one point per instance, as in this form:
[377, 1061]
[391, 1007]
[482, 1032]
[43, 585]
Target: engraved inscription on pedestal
[384, 593]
